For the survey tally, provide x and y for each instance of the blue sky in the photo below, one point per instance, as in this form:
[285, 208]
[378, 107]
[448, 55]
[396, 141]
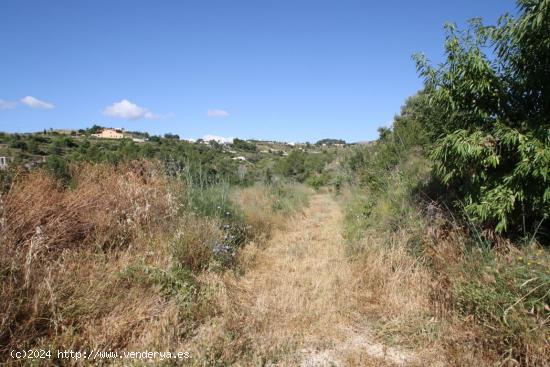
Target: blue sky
[293, 70]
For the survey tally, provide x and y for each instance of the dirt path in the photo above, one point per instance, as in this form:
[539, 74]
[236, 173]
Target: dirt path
[296, 304]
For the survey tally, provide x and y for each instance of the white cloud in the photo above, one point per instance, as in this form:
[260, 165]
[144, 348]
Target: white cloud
[219, 139]
[7, 105]
[131, 111]
[36, 103]
[217, 113]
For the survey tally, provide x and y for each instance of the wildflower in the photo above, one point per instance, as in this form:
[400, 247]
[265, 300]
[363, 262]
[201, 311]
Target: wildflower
[223, 249]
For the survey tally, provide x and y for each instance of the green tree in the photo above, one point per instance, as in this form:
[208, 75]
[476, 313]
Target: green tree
[58, 167]
[96, 129]
[293, 165]
[493, 145]
[244, 145]
[414, 126]
[171, 136]
[330, 142]
[33, 147]
[55, 147]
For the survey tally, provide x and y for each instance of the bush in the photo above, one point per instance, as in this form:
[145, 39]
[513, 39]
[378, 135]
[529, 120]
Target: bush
[244, 145]
[387, 204]
[301, 166]
[493, 147]
[58, 168]
[18, 144]
[317, 181]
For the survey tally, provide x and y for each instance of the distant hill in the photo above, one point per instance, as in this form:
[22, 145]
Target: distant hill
[331, 142]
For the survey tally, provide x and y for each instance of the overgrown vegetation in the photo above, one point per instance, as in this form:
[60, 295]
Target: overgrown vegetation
[478, 227]
[240, 162]
[114, 244]
[493, 138]
[112, 255]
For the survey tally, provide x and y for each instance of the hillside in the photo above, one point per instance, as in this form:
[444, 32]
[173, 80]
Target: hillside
[239, 162]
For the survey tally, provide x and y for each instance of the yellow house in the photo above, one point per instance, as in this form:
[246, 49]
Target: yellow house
[109, 134]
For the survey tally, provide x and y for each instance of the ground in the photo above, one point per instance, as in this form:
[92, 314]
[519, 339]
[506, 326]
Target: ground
[296, 303]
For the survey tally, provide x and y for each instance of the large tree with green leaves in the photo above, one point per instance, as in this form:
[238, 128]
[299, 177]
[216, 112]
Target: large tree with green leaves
[493, 139]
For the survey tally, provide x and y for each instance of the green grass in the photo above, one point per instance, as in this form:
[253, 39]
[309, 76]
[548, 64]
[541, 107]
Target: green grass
[386, 206]
[508, 295]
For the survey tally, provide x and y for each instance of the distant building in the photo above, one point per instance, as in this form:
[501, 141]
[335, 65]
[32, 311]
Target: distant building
[109, 134]
[138, 140]
[5, 162]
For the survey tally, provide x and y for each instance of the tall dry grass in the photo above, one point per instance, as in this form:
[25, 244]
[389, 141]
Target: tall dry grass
[191, 245]
[266, 208]
[493, 301]
[435, 284]
[58, 249]
[118, 259]
[256, 205]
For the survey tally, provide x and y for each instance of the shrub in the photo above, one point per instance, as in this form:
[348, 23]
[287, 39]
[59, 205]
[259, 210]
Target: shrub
[58, 168]
[244, 145]
[493, 146]
[387, 201]
[317, 181]
[176, 282]
[18, 144]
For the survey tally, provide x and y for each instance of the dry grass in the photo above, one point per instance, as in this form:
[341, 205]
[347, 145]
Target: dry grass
[62, 250]
[301, 303]
[256, 203]
[191, 246]
[114, 262]
[394, 289]
[284, 295]
[493, 305]
[430, 285]
[267, 208]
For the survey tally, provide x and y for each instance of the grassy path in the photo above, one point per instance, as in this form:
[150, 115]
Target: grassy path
[296, 304]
